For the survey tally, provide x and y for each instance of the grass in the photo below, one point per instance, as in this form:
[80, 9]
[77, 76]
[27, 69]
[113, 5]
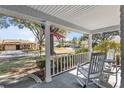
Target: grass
[64, 50]
[7, 66]
[17, 63]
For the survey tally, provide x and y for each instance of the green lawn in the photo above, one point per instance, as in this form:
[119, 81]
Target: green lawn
[17, 63]
[64, 50]
[24, 62]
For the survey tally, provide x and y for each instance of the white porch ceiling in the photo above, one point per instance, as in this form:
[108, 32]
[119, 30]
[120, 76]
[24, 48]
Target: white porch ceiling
[88, 16]
[82, 18]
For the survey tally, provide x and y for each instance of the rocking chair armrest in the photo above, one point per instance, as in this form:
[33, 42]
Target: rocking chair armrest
[116, 65]
[83, 64]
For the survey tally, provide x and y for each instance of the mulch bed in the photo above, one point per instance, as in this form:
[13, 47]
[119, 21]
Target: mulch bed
[40, 74]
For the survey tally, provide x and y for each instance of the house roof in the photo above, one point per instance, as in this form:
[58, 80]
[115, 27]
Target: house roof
[14, 41]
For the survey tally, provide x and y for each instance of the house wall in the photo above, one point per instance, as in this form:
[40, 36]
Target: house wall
[14, 44]
[10, 47]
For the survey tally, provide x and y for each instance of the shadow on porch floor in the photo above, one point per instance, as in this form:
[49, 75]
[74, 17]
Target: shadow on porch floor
[65, 80]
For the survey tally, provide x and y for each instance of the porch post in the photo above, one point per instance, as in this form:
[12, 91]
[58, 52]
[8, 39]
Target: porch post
[90, 45]
[47, 53]
[122, 44]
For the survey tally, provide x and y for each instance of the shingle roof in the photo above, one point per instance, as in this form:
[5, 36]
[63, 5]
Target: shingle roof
[15, 41]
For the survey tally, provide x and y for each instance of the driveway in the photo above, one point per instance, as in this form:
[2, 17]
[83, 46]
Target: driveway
[17, 53]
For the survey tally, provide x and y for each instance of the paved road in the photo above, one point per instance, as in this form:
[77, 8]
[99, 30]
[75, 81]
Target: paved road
[15, 54]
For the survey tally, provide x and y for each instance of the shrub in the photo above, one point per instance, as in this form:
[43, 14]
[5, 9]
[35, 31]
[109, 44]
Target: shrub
[81, 50]
[27, 50]
[40, 63]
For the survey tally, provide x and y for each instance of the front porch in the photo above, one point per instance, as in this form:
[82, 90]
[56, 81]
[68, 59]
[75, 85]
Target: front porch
[63, 72]
[64, 80]
[68, 80]
[60, 70]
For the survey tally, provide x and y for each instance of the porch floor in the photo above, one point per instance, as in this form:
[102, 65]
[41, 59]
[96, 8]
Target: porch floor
[68, 80]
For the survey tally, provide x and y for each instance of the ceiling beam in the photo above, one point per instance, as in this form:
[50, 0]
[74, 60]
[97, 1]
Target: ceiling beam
[106, 29]
[35, 15]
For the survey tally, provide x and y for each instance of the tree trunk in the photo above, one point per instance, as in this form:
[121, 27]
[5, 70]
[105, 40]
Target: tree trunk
[40, 48]
[122, 45]
[52, 45]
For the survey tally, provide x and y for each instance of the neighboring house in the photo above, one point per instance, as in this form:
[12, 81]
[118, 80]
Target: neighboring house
[12, 44]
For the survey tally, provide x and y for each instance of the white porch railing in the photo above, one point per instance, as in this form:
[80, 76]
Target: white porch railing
[62, 63]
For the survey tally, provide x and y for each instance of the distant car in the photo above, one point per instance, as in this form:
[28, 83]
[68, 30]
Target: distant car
[76, 46]
[67, 46]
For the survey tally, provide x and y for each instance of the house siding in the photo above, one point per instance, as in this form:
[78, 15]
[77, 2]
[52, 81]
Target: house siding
[17, 45]
[10, 47]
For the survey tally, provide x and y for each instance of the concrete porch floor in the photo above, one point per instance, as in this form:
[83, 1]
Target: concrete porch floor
[68, 80]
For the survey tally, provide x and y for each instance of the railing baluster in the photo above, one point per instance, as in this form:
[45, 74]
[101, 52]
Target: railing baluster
[57, 64]
[72, 61]
[78, 59]
[53, 66]
[83, 57]
[64, 63]
[67, 62]
[88, 56]
[61, 64]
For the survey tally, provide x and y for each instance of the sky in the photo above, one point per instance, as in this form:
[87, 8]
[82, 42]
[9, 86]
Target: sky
[15, 33]
[71, 35]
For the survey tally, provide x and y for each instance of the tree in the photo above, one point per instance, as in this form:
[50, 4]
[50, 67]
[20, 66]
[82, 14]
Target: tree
[103, 36]
[4, 23]
[74, 41]
[104, 45]
[82, 38]
[85, 37]
[36, 28]
[79, 40]
[58, 30]
[96, 38]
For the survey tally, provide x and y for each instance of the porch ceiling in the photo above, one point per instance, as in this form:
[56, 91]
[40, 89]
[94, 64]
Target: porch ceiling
[82, 18]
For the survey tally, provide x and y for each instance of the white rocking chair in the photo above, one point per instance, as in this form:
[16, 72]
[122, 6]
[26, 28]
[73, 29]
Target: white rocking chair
[110, 66]
[93, 71]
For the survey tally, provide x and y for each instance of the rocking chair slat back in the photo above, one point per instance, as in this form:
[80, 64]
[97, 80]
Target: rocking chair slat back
[97, 62]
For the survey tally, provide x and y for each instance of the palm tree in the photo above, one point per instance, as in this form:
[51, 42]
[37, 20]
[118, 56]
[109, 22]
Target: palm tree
[104, 45]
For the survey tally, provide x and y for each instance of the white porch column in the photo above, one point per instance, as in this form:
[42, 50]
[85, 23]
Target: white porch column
[47, 52]
[122, 44]
[90, 44]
